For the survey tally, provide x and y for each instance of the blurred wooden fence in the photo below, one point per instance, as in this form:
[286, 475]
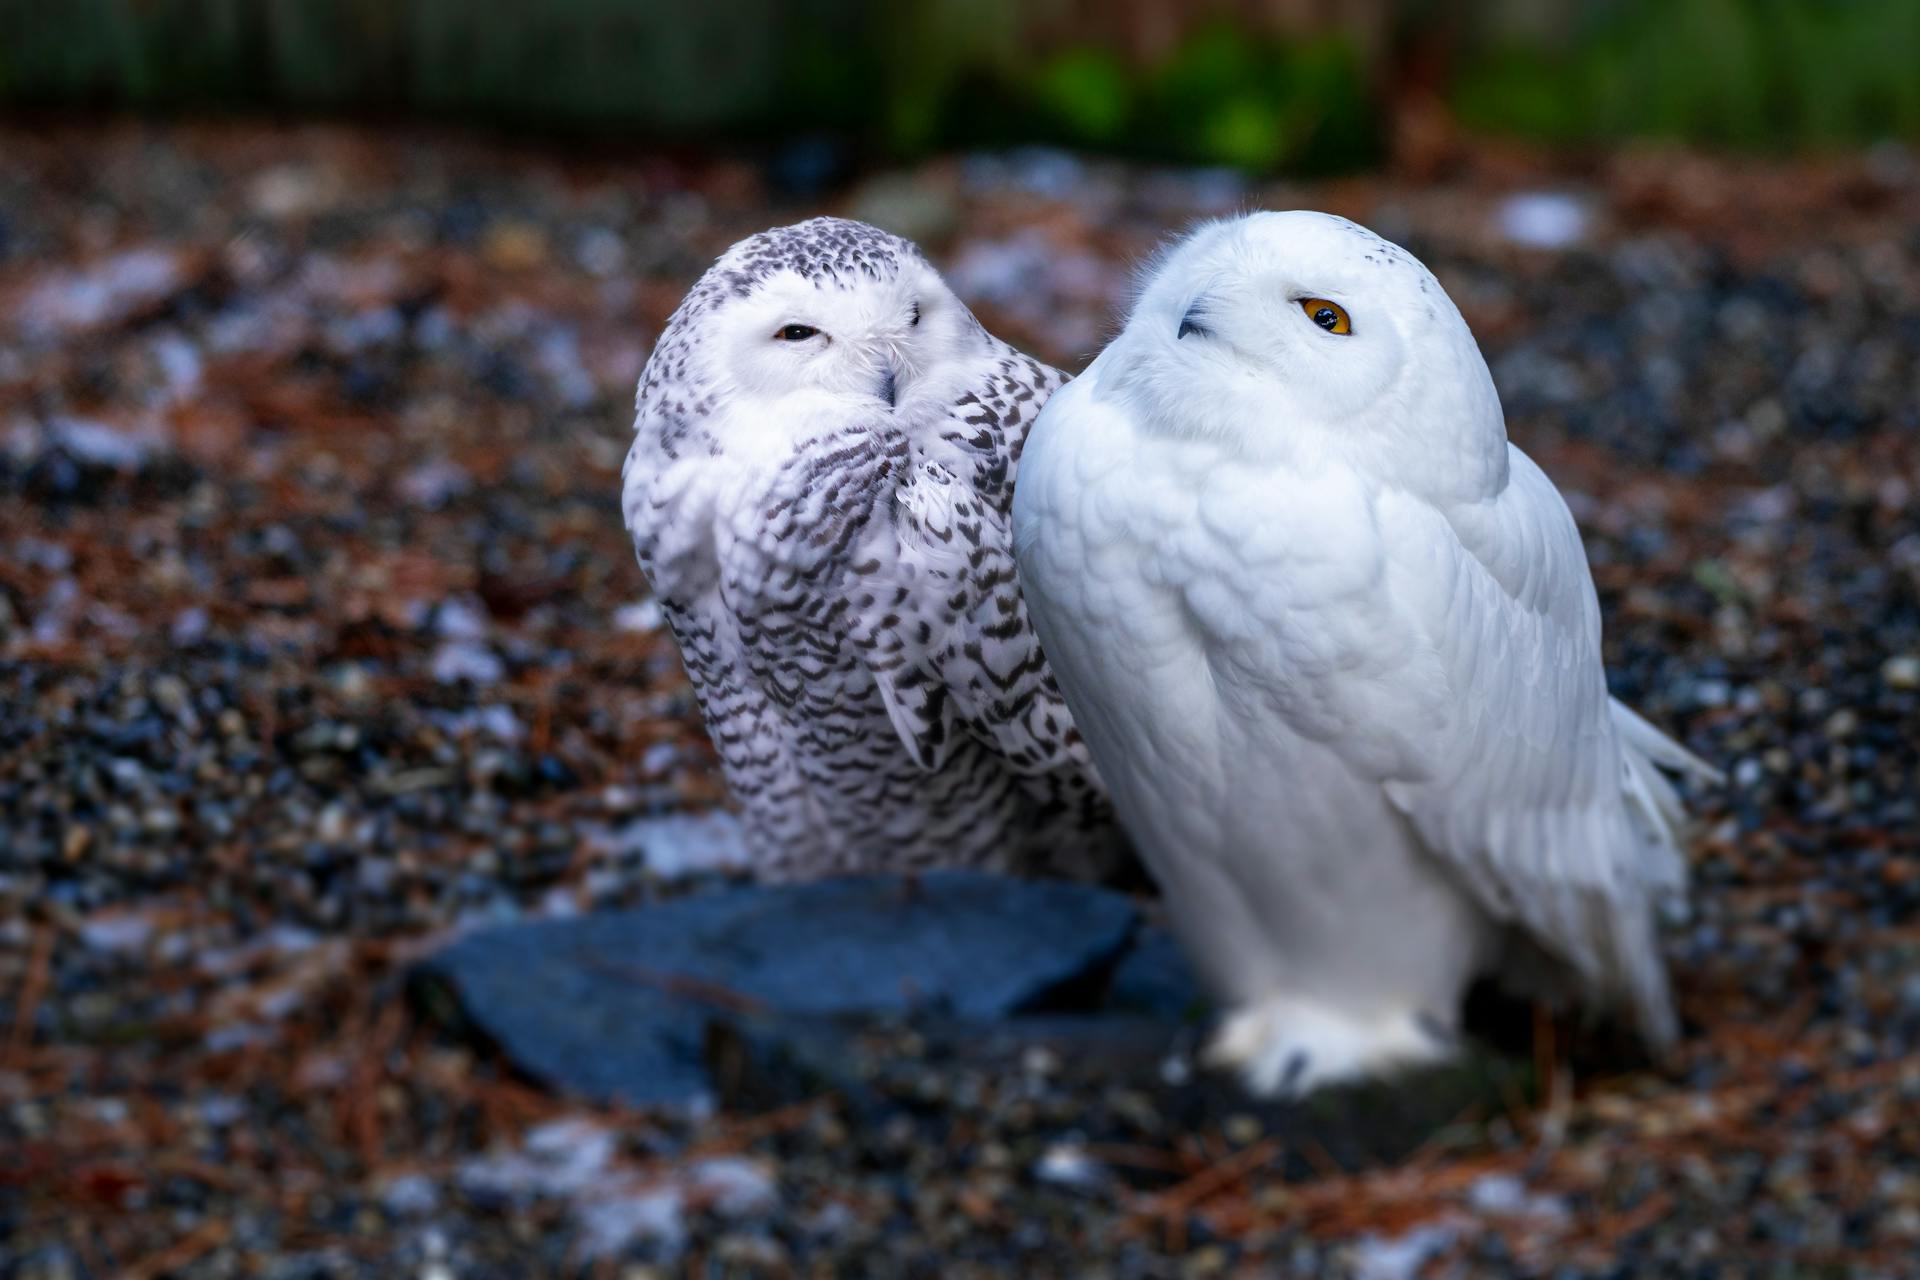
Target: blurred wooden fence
[669, 65]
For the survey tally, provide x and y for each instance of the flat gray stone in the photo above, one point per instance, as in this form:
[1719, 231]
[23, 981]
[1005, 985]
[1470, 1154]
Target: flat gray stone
[1153, 980]
[889, 991]
[627, 1005]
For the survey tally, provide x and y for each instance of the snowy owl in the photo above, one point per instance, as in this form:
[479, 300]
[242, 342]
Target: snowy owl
[819, 493]
[1334, 644]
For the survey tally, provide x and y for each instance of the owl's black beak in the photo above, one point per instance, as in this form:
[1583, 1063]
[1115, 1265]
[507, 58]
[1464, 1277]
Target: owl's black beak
[1191, 323]
[888, 386]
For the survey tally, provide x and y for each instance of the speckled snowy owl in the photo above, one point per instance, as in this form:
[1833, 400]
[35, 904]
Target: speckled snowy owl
[819, 492]
[1336, 649]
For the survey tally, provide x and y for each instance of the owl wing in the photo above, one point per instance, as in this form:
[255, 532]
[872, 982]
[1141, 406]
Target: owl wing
[953, 650]
[667, 503]
[749, 565]
[1537, 788]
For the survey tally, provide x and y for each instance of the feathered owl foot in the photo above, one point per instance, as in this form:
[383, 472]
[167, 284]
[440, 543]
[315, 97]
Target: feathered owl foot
[1285, 1046]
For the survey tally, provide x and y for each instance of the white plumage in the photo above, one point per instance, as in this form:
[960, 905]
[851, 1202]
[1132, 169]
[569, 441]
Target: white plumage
[819, 491]
[1336, 649]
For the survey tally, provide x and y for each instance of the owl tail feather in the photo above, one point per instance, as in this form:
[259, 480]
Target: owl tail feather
[1655, 805]
[1643, 739]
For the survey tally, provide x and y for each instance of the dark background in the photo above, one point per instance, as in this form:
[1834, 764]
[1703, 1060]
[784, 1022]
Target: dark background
[1261, 83]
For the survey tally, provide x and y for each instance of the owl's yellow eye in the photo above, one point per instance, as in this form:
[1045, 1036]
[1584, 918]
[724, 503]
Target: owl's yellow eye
[1330, 316]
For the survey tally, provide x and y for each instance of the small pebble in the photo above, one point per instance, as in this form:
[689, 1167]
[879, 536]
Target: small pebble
[1902, 671]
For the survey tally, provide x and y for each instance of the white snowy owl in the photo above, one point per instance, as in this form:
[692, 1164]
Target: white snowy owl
[819, 492]
[1336, 649]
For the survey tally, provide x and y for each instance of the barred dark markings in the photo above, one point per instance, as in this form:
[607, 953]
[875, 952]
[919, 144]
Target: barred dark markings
[847, 608]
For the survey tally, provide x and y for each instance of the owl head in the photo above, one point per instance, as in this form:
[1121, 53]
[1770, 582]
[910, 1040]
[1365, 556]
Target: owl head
[828, 315]
[1299, 336]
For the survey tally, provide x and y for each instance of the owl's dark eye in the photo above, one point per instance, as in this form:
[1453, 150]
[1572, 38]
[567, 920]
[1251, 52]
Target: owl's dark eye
[796, 333]
[916, 315]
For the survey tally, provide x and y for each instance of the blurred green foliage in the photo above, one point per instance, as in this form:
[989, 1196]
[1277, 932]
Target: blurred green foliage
[1087, 92]
[1765, 73]
[1220, 96]
[1749, 73]
[1258, 104]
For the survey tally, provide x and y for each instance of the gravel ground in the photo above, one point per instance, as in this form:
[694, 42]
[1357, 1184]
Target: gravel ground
[320, 640]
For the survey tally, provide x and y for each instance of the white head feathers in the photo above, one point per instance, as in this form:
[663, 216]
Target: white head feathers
[1302, 335]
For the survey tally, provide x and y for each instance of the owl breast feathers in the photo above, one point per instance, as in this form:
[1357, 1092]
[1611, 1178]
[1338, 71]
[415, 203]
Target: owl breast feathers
[819, 491]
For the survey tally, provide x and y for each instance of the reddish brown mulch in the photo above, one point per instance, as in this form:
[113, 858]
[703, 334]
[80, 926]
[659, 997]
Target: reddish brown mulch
[311, 652]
